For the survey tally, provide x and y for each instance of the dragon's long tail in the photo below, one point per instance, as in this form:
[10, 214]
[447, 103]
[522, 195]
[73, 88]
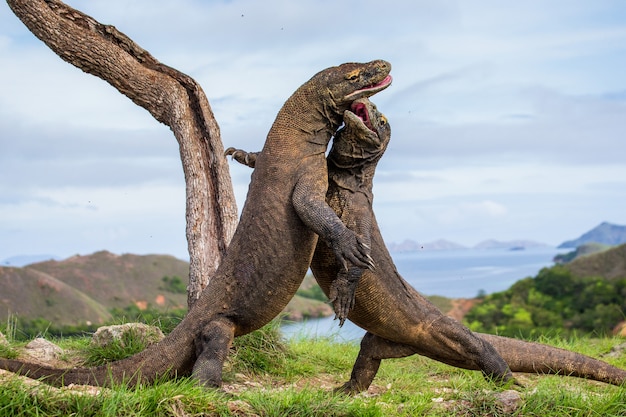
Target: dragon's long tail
[531, 357]
[172, 356]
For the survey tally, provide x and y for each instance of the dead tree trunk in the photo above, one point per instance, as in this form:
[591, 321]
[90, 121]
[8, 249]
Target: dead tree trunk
[173, 98]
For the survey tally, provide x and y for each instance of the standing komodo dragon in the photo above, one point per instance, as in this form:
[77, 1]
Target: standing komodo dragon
[399, 320]
[271, 249]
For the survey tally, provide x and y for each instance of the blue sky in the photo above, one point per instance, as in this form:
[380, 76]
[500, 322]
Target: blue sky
[508, 118]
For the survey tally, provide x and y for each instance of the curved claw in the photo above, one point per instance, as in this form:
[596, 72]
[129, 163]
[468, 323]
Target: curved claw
[350, 248]
[241, 156]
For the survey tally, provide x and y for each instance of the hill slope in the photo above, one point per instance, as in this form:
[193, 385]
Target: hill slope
[120, 280]
[609, 264]
[582, 250]
[31, 293]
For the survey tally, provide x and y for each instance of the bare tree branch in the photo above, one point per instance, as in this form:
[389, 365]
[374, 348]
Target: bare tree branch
[173, 98]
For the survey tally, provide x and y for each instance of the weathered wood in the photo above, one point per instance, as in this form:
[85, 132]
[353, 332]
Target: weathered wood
[173, 98]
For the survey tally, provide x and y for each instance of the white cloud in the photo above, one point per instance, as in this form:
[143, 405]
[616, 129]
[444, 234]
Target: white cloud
[79, 220]
[489, 208]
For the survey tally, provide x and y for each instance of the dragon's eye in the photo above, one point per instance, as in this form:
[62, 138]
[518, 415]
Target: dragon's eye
[383, 120]
[353, 75]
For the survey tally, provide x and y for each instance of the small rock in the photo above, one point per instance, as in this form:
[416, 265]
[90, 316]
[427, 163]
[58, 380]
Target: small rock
[617, 351]
[508, 401]
[3, 339]
[105, 335]
[42, 350]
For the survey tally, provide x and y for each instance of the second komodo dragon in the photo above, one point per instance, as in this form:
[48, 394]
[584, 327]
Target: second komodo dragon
[272, 247]
[399, 320]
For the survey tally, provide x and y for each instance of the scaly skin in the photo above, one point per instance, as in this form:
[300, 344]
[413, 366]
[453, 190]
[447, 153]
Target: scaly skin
[356, 193]
[400, 321]
[272, 247]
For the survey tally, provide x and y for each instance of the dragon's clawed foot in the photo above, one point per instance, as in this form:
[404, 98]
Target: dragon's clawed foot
[342, 296]
[349, 388]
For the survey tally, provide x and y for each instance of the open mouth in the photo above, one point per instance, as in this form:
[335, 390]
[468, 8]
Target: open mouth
[360, 110]
[379, 86]
[372, 89]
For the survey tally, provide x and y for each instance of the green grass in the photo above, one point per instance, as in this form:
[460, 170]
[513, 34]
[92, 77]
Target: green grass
[266, 376]
[8, 351]
[129, 344]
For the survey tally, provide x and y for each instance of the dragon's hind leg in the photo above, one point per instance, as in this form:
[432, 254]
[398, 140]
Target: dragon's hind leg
[373, 350]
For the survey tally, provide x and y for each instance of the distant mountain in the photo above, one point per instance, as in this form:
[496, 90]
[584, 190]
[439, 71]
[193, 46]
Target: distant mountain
[511, 244]
[606, 233]
[413, 246]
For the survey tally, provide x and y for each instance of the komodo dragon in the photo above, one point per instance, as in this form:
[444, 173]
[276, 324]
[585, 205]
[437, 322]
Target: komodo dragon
[271, 249]
[399, 320]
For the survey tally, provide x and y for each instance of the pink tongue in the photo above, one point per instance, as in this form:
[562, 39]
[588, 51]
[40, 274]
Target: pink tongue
[361, 111]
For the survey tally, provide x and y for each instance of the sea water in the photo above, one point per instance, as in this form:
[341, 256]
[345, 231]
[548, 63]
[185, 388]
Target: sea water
[460, 273]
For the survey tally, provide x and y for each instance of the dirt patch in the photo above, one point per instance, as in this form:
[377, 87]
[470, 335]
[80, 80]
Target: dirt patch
[461, 306]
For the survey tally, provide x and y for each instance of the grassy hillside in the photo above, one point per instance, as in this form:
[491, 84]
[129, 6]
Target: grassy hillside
[120, 280]
[582, 250]
[609, 264]
[31, 293]
[586, 295]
